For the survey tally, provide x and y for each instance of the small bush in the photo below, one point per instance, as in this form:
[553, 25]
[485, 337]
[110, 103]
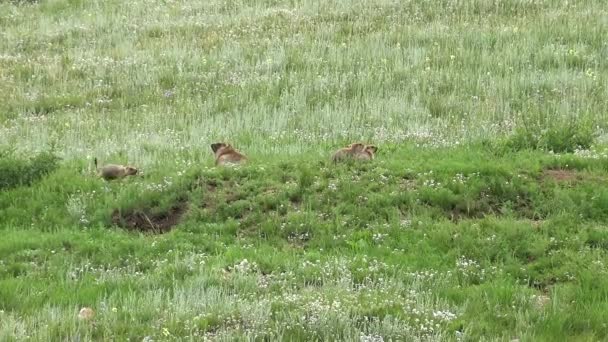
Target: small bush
[16, 172]
[558, 135]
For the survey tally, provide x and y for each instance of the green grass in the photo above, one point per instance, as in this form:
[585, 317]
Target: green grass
[441, 243]
[483, 217]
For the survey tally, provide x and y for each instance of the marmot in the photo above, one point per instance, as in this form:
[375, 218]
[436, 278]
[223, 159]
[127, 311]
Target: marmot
[358, 151]
[368, 153]
[225, 154]
[113, 171]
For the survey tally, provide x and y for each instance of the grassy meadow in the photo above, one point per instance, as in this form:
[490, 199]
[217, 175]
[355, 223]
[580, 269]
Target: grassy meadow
[484, 216]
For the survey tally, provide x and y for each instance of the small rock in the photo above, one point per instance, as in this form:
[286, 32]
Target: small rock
[541, 301]
[86, 313]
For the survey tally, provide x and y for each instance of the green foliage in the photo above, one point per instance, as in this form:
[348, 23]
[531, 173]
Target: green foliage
[552, 134]
[15, 171]
[439, 238]
[294, 241]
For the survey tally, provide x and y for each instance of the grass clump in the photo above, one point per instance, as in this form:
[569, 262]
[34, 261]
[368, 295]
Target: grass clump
[553, 134]
[18, 171]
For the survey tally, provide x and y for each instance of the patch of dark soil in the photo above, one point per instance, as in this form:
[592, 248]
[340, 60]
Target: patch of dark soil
[209, 185]
[561, 175]
[570, 176]
[217, 190]
[232, 196]
[522, 206]
[144, 220]
[296, 200]
[543, 285]
[457, 215]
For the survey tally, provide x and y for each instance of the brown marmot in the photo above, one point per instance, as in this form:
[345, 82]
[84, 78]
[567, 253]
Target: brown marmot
[225, 154]
[357, 151]
[368, 153]
[114, 171]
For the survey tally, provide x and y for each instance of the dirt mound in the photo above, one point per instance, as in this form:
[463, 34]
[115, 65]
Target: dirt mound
[144, 221]
[561, 175]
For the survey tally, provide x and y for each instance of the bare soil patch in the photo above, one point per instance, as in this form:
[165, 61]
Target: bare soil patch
[561, 175]
[571, 176]
[144, 220]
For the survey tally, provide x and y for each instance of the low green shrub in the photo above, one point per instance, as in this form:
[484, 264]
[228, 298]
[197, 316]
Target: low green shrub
[16, 171]
[556, 135]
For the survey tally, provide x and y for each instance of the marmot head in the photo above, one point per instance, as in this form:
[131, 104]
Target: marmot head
[357, 147]
[371, 148]
[130, 170]
[217, 146]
